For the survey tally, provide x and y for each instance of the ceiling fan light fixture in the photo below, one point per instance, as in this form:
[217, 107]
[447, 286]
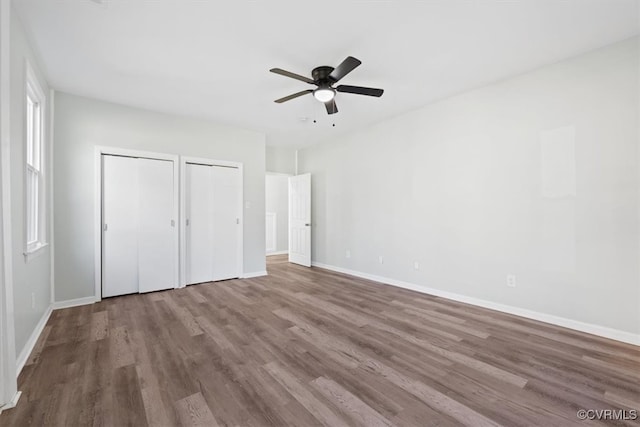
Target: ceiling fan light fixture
[324, 94]
[324, 77]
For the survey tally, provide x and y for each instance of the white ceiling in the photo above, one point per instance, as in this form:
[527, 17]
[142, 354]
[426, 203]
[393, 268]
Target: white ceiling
[211, 58]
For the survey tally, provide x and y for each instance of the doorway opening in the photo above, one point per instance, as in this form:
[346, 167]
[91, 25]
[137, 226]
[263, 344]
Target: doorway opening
[288, 217]
[276, 213]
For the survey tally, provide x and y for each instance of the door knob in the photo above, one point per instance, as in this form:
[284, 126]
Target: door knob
[307, 224]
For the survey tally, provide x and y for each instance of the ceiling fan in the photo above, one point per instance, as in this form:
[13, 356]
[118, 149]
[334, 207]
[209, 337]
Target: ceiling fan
[324, 78]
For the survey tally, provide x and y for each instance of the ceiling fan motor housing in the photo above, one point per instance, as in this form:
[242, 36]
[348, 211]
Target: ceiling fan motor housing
[321, 75]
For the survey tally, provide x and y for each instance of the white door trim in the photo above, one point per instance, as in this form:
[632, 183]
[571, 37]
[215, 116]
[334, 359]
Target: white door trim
[278, 173]
[183, 232]
[8, 381]
[99, 152]
[274, 231]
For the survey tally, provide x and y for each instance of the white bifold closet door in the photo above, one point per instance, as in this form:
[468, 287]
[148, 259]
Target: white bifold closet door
[120, 225]
[212, 204]
[157, 228]
[199, 230]
[138, 226]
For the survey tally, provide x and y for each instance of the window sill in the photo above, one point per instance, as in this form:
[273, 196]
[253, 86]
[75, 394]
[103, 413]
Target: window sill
[35, 251]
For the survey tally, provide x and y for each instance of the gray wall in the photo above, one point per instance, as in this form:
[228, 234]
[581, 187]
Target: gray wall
[33, 277]
[281, 160]
[277, 200]
[81, 124]
[458, 187]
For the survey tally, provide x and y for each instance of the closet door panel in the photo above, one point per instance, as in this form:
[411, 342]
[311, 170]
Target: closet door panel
[199, 230]
[156, 232]
[120, 226]
[226, 202]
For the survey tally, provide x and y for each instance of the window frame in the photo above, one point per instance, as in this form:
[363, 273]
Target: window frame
[34, 162]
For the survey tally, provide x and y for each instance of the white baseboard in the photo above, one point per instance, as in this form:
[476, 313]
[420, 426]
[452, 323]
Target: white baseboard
[31, 342]
[12, 403]
[73, 302]
[254, 274]
[603, 331]
[277, 253]
[33, 338]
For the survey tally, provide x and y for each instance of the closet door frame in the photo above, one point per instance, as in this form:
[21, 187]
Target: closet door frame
[183, 206]
[98, 210]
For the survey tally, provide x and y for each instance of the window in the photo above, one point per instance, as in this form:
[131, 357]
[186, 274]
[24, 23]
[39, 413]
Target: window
[34, 178]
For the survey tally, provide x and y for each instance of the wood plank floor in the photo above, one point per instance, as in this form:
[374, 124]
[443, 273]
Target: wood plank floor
[312, 347]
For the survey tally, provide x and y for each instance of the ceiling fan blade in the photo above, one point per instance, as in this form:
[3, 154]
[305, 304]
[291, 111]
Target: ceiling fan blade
[347, 66]
[292, 75]
[295, 95]
[331, 106]
[359, 90]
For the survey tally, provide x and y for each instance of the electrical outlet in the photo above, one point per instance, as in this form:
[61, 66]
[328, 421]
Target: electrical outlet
[33, 300]
[511, 280]
[416, 265]
[381, 259]
[347, 254]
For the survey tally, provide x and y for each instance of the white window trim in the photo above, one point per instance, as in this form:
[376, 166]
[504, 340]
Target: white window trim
[32, 85]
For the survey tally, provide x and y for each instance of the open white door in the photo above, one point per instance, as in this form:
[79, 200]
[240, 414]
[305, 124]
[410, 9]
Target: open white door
[300, 219]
